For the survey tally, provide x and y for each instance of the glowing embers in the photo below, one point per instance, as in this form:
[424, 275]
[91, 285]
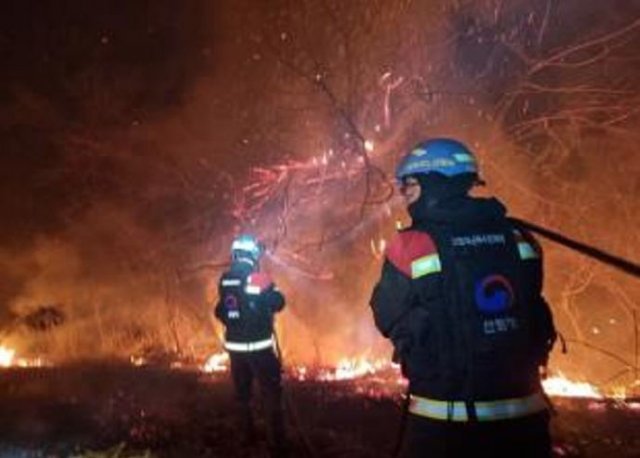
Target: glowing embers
[8, 358]
[218, 362]
[348, 369]
[378, 247]
[300, 373]
[138, 360]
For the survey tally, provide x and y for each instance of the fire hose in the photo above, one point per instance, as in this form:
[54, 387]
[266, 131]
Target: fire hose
[622, 264]
[625, 265]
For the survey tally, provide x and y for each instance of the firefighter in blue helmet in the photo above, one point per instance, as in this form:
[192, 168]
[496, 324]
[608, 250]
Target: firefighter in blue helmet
[248, 300]
[460, 298]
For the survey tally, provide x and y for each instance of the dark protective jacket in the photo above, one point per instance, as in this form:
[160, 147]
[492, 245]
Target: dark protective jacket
[247, 302]
[460, 298]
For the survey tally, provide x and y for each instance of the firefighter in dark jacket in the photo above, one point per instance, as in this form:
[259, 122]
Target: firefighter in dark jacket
[460, 297]
[248, 300]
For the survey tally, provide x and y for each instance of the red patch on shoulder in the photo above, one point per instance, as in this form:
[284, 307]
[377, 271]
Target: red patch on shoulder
[260, 279]
[407, 246]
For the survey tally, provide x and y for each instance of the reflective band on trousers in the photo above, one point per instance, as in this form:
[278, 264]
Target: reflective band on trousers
[249, 346]
[485, 410]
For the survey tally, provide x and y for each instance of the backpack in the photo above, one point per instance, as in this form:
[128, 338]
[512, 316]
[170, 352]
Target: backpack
[479, 317]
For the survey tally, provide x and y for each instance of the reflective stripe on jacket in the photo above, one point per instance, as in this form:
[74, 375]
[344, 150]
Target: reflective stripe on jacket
[249, 346]
[485, 410]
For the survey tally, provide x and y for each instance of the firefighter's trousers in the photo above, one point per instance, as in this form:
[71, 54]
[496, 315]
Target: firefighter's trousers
[264, 367]
[525, 437]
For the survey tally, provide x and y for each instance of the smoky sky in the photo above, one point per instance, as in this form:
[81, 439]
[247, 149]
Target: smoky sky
[75, 66]
[76, 74]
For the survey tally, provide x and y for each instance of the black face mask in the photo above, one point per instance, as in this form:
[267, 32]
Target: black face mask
[436, 188]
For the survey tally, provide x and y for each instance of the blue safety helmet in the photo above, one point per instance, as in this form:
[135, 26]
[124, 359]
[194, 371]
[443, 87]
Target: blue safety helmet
[246, 245]
[439, 155]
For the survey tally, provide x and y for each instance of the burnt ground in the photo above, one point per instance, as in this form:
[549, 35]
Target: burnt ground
[125, 411]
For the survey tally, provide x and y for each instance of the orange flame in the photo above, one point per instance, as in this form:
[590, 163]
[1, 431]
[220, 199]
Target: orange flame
[348, 369]
[561, 386]
[216, 363]
[6, 356]
[8, 359]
